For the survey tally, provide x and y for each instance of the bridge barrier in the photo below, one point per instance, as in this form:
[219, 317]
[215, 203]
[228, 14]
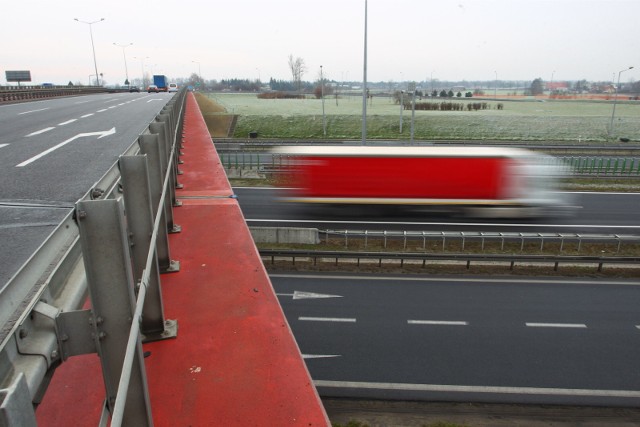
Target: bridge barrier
[10, 94]
[114, 246]
[40, 309]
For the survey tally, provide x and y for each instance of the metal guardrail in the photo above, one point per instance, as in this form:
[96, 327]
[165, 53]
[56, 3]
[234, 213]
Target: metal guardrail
[22, 94]
[464, 237]
[574, 165]
[113, 257]
[438, 258]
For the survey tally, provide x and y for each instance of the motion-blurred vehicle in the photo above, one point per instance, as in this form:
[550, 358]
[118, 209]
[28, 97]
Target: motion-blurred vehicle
[134, 89]
[152, 88]
[173, 87]
[476, 181]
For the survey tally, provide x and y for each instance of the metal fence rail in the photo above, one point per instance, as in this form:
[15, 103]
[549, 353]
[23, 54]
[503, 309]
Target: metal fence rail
[574, 165]
[117, 259]
[438, 258]
[22, 94]
[384, 237]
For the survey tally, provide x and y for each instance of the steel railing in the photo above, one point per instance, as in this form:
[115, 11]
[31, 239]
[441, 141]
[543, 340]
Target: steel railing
[556, 260]
[574, 165]
[95, 249]
[462, 238]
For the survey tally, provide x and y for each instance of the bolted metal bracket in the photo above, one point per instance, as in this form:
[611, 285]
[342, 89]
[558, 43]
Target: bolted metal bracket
[170, 331]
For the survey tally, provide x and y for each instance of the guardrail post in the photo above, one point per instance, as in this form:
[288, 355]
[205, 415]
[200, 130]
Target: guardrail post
[107, 261]
[16, 409]
[160, 129]
[140, 221]
[149, 145]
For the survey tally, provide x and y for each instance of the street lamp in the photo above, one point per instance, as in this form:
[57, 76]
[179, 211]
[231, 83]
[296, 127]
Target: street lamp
[95, 64]
[126, 71]
[615, 101]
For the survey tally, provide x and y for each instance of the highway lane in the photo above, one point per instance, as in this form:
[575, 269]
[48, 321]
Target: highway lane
[51, 153]
[524, 340]
[598, 213]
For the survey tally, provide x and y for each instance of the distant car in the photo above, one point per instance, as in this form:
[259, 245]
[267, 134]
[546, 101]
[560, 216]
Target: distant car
[152, 88]
[173, 87]
[134, 89]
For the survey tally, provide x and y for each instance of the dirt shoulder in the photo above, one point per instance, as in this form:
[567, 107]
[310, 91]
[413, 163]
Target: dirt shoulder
[419, 414]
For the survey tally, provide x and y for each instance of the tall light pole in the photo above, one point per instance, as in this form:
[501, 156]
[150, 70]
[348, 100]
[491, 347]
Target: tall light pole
[126, 71]
[615, 101]
[324, 121]
[364, 81]
[95, 64]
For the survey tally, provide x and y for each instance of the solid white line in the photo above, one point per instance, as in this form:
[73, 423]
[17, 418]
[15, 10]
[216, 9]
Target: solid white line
[86, 115]
[326, 319]
[556, 325]
[479, 389]
[40, 131]
[438, 322]
[67, 122]
[33, 111]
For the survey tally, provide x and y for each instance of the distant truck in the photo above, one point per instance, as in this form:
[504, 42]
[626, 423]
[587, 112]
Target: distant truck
[476, 181]
[161, 82]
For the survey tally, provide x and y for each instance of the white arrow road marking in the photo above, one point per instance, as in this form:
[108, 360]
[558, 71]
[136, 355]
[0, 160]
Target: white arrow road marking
[101, 134]
[319, 356]
[38, 132]
[308, 295]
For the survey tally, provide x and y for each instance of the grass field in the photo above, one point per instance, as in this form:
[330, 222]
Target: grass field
[519, 120]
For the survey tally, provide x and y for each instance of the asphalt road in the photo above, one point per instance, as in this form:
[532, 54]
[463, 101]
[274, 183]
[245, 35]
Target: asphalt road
[51, 153]
[596, 213]
[524, 340]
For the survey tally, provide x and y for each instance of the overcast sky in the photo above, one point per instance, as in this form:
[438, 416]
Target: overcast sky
[407, 39]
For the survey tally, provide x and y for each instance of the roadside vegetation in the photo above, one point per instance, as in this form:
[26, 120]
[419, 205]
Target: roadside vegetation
[531, 119]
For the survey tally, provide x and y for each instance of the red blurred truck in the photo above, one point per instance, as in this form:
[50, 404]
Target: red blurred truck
[481, 181]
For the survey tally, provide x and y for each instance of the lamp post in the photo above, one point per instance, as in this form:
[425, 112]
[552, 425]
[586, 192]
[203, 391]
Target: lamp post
[95, 64]
[126, 71]
[364, 81]
[324, 121]
[615, 101]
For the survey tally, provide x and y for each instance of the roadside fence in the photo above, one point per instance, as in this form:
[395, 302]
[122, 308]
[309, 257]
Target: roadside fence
[407, 240]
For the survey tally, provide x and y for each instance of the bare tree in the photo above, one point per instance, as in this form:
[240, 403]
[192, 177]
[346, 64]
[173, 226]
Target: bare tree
[298, 68]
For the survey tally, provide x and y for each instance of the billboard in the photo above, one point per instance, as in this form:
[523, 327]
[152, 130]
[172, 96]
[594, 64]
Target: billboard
[18, 76]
